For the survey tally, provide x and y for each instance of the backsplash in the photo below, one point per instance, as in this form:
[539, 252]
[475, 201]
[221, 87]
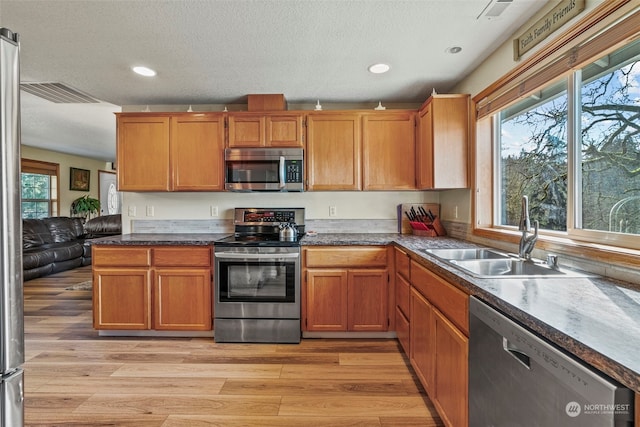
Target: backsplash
[226, 226]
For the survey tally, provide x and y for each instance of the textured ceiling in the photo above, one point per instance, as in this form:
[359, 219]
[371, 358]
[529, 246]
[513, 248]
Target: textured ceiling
[218, 51]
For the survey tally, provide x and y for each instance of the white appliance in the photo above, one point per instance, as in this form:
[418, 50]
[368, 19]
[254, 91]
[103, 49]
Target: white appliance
[11, 298]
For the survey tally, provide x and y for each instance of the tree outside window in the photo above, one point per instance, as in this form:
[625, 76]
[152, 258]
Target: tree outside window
[39, 189]
[536, 138]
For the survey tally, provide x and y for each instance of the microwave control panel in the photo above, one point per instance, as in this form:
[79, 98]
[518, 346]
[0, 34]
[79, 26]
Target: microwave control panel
[293, 170]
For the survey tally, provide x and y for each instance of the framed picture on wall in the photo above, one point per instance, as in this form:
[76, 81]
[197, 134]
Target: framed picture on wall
[79, 179]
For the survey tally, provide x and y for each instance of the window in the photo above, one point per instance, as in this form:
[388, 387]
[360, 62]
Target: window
[574, 149]
[39, 189]
[533, 159]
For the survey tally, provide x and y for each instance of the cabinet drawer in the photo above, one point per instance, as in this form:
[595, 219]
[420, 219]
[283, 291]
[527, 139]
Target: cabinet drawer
[185, 256]
[402, 263]
[120, 256]
[402, 330]
[338, 256]
[451, 301]
[403, 295]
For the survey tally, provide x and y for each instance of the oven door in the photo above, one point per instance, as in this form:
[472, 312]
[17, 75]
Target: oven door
[257, 282]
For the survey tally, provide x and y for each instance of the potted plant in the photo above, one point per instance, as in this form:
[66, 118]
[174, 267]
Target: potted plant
[85, 206]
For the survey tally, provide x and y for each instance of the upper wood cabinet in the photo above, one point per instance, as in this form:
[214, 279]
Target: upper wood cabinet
[388, 151]
[142, 152]
[170, 151]
[197, 147]
[443, 142]
[265, 130]
[333, 151]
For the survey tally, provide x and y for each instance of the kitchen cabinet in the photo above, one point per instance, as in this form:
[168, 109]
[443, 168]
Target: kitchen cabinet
[170, 151]
[346, 289]
[422, 340]
[402, 299]
[197, 152]
[439, 342]
[121, 288]
[388, 141]
[159, 288]
[443, 142]
[265, 130]
[333, 151]
[142, 152]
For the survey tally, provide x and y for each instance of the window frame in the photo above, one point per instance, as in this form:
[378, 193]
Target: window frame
[608, 27]
[43, 168]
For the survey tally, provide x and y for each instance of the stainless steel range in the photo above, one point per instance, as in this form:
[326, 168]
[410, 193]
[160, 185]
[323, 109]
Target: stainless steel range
[257, 277]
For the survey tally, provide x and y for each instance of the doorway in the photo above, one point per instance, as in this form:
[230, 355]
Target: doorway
[110, 197]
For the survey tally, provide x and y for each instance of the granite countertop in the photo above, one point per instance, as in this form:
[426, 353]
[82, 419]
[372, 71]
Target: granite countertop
[133, 239]
[594, 318]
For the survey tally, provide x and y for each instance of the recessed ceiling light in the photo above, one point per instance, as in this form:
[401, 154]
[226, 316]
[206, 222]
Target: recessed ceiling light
[378, 68]
[454, 49]
[144, 71]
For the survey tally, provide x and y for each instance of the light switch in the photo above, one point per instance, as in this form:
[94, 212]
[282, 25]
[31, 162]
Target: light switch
[150, 211]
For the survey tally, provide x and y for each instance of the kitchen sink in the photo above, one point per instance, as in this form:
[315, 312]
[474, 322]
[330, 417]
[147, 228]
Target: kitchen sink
[491, 263]
[467, 253]
[511, 268]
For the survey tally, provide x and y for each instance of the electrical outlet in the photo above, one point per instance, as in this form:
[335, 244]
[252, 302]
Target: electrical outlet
[132, 210]
[455, 212]
[150, 211]
[214, 211]
[333, 211]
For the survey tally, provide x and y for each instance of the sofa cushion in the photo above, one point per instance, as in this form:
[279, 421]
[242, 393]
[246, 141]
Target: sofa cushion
[105, 225]
[35, 233]
[61, 228]
[35, 257]
[64, 251]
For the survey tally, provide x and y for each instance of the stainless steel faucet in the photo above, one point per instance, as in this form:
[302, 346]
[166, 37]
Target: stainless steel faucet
[527, 242]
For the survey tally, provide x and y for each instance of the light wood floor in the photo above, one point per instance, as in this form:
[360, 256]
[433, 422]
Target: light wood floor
[73, 377]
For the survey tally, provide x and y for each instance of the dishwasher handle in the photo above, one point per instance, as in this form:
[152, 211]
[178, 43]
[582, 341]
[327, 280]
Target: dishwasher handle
[519, 355]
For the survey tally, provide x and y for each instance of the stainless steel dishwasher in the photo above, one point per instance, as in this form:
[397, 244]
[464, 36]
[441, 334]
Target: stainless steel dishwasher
[517, 378]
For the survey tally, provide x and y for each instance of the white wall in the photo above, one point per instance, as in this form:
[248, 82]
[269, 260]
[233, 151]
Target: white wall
[66, 161]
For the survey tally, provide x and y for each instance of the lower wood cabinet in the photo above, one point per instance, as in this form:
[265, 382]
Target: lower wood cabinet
[439, 343]
[422, 340]
[345, 289]
[182, 299]
[160, 288]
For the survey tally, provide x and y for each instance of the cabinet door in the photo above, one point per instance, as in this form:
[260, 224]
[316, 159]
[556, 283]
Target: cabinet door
[197, 152]
[246, 130]
[121, 298]
[389, 151]
[451, 372]
[367, 297]
[443, 142]
[333, 152]
[182, 299]
[284, 131]
[142, 152]
[422, 340]
[326, 300]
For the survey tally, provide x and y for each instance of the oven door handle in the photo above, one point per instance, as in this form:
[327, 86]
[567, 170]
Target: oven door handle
[283, 181]
[228, 255]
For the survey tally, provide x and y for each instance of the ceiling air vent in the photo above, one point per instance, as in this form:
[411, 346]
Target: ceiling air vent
[58, 93]
[494, 9]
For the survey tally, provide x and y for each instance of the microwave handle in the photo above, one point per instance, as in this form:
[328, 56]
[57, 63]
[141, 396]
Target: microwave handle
[282, 173]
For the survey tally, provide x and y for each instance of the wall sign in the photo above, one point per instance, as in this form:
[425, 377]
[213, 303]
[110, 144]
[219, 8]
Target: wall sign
[562, 13]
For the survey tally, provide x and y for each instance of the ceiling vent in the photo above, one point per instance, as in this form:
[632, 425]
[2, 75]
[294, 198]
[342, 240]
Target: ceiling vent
[58, 93]
[494, 9]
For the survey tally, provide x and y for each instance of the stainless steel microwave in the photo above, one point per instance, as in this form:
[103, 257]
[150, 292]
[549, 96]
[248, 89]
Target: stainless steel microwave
[264, 169]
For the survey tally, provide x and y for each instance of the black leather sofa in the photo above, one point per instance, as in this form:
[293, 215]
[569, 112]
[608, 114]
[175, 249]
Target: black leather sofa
[55, 244]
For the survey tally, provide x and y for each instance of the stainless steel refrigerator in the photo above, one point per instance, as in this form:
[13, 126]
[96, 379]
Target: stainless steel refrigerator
[11, 298]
